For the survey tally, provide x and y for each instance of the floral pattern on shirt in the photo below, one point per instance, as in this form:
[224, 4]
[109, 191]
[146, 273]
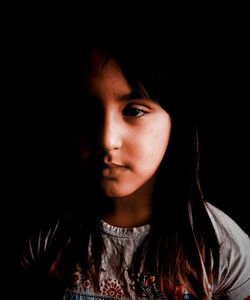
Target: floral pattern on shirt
[112, 288]
[143, 286]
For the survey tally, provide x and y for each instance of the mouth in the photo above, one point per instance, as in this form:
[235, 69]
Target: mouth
[112, 170]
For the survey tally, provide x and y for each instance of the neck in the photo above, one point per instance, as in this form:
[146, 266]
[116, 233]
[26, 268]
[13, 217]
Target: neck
[133, 210]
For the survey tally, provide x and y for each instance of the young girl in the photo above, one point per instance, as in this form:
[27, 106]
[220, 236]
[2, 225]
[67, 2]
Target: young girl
[142, 229]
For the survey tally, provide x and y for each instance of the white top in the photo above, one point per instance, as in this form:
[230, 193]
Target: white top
[233, 281]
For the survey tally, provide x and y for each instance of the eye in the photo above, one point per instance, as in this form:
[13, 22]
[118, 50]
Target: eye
[133, 112]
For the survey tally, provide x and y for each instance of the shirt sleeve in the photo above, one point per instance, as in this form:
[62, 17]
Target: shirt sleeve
[233, 281]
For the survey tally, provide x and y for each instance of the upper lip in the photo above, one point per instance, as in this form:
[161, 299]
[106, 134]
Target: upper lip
[111, 165]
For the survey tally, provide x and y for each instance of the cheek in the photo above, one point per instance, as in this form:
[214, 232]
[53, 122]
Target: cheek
[158, 145]
[159, 135]
[151, 146]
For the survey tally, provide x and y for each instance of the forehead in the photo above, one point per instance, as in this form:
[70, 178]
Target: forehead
[99, 62]
[104, 75]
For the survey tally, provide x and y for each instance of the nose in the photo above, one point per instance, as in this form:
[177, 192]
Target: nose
[111, 133]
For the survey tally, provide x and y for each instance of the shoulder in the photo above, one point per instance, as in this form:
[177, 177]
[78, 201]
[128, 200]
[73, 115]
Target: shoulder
[233, 279]
[36, 259]
[226, 227]
[41, 243]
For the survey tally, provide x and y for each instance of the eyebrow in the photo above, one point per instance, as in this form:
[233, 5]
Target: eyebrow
[132, 95]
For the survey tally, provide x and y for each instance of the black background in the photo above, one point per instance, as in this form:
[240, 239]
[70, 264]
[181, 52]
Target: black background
[39, 80]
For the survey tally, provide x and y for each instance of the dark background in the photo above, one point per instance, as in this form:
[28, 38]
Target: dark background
[40, 81]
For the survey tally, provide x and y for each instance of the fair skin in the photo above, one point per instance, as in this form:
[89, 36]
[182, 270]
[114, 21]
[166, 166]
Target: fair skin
[134, 137]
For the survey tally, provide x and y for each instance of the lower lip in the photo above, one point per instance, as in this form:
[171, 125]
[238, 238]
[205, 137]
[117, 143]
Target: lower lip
[112, 173]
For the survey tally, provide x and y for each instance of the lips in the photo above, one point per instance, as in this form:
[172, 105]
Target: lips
[112, 170]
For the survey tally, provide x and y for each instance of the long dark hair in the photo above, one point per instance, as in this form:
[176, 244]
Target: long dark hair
[182, 243]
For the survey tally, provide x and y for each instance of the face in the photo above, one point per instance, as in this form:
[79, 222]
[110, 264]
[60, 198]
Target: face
[133, 131]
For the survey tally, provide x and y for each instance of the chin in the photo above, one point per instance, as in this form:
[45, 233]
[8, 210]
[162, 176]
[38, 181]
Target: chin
[115, 192]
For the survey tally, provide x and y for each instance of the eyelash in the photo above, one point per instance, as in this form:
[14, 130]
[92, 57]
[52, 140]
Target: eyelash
[133, 112]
